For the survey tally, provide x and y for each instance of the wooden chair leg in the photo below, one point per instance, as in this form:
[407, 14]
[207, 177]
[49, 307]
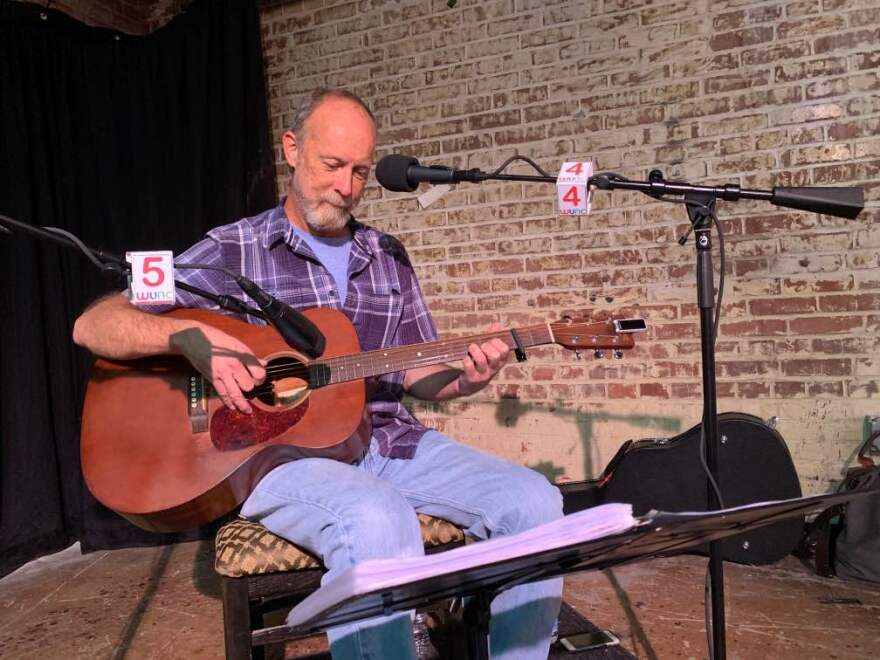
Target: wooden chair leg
[256, 613]
[236, 619]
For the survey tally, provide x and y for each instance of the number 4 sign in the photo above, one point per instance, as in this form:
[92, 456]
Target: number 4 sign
[152, 277]
[572, 190]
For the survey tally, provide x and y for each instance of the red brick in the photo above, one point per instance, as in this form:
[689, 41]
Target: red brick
[789, 389]
[826, 388]
[779, 306]
[756, 328]
[867, 302]
[742, 368]
[622, 391]
[817, 367]
[739, 38]
[825, 325]
[847, 40]
[556, 262]
[686, 390]
[654, 390]
[675, 330]
[753, 390]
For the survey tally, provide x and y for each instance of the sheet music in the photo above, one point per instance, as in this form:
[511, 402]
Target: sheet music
[376, 574]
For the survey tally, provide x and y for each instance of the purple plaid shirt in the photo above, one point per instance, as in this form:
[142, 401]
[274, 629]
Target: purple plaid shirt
[384, 301]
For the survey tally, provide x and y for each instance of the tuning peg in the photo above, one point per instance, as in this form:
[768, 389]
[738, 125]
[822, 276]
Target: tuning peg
[598, 353]
[578, 355]
[618, 354]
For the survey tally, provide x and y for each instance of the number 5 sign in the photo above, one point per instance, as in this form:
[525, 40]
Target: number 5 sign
[152, 277]
[572, 190]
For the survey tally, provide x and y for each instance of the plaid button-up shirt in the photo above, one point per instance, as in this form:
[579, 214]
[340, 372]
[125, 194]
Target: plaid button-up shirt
[384, 301]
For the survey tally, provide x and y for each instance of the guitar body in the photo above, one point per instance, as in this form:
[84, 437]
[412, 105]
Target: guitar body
[160, 448]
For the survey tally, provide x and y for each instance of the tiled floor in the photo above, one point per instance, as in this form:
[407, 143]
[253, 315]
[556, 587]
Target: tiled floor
[164, 603]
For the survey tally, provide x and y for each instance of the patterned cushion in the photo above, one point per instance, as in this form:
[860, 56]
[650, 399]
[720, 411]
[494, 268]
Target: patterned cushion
[247, 548]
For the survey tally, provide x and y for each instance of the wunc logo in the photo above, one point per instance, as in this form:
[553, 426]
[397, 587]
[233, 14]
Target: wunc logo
[152, 296]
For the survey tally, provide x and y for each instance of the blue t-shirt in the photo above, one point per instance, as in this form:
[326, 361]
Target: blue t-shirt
[333, 254]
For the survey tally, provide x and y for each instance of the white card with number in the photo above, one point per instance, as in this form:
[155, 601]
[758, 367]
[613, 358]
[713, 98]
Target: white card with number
[152, 277]
[572, 190]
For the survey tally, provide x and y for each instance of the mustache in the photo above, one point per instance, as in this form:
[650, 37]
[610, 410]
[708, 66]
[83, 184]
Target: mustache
[337, 200]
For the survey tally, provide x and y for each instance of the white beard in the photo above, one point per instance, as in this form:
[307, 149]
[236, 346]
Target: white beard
[327, 218]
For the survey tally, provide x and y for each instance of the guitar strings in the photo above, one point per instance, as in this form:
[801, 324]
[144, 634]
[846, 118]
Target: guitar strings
[366, 363]
[452, 347]
[390, 359]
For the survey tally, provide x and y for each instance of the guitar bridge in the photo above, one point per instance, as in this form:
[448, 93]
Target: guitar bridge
[198, 404]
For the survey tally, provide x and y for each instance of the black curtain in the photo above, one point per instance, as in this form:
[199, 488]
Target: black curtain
[130, 143]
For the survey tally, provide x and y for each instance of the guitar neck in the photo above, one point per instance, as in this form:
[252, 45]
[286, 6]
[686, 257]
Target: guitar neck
[401, 358]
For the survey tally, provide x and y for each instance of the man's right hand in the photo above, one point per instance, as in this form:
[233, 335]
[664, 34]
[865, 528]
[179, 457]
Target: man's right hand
[228, 363]
[114, 328]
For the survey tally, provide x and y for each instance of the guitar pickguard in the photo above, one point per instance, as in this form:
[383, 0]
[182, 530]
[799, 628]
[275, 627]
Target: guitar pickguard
[232, 429]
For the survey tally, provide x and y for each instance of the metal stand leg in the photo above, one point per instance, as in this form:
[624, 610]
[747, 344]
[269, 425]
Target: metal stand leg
[477, 614]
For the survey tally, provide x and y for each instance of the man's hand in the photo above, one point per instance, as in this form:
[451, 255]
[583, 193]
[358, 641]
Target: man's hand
[482, 362]
[441, 382]
[224, 360]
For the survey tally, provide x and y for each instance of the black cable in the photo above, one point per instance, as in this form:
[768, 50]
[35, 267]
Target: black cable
[224, 301]
[525, 159]
[82, 246]
[111, 263]
[219, 269]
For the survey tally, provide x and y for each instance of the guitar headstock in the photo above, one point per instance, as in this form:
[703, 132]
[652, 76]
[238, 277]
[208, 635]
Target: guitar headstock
[577, 334]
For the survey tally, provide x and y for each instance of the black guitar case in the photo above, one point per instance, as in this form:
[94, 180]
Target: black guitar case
[666, 474]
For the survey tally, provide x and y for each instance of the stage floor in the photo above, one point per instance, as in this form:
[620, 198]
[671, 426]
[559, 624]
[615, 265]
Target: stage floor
[164, 603]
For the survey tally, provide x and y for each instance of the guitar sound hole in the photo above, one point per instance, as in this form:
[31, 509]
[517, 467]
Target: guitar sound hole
[286, 384]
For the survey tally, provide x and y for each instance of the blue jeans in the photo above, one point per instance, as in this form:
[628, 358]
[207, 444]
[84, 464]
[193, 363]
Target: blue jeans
[348, 513]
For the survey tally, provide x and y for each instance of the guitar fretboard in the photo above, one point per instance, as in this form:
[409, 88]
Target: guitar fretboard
[388, 360]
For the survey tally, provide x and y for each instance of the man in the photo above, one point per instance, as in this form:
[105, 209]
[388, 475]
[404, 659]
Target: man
[311, 252]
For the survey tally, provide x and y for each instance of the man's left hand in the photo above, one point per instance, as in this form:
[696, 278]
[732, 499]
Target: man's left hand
[482, 362]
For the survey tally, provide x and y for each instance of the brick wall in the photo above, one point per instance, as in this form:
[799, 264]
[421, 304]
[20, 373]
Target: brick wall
[756, 93]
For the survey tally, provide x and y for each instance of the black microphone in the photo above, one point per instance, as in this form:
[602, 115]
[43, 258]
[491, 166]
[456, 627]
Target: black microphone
[297, 330]
[404, 174]
[839, 202]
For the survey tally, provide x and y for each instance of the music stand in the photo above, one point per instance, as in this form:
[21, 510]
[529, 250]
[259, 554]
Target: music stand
[654, 534]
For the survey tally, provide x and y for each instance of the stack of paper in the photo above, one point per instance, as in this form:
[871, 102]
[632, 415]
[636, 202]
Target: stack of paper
[381, 574]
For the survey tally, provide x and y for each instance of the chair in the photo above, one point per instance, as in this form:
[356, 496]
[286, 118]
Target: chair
[261, 572]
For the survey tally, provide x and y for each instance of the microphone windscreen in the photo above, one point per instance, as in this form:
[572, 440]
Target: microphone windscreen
[839, 202]
[391, 172]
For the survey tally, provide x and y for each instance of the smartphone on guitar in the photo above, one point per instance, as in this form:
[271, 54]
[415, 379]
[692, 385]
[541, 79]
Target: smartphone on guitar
[590, 640]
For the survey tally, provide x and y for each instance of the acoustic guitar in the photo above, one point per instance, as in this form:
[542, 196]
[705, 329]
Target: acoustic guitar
[160, 448]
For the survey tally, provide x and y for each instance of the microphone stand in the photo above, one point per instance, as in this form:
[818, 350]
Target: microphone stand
[295, 328]
[115, 265]
[701, 221]
[700, 203]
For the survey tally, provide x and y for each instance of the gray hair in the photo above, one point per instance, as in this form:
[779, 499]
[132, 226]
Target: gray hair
[311, 103]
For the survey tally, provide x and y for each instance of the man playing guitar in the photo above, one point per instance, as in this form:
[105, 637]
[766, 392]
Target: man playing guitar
[310, 252]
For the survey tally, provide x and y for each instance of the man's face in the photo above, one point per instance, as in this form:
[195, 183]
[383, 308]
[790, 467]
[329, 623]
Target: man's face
[332, 159]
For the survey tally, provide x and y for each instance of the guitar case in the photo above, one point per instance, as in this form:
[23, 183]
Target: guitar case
[666, 474]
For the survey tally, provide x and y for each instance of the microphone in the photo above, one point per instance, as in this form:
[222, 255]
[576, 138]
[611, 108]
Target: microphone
[297, 330]
[839, 202]
[404, 174]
